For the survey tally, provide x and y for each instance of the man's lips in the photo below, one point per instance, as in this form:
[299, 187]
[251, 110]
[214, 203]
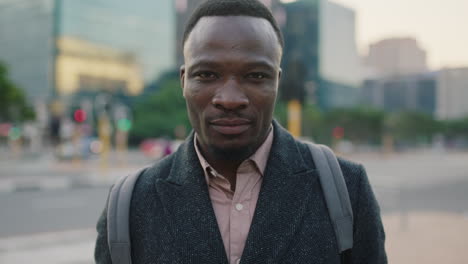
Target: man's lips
[230, 126]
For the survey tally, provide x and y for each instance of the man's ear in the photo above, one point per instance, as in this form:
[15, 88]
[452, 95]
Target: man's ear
[279, 74]
[182, 78]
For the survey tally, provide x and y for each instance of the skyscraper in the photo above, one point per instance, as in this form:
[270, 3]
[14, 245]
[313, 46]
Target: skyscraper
[26, 44]
[183, 9]
[320, 56]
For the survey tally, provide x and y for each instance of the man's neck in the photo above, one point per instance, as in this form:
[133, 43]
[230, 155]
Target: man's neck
[227, 163]
[225, 166]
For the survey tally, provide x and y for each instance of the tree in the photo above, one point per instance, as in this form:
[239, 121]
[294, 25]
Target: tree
[457, 128]
[159, 113]
[281, 113]
[360, 124]
[13, 104]
[313, 124]
[412, 127]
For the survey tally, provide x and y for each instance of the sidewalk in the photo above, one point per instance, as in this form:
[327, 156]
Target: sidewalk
[47, 173]
[430, 238]
[76, 246]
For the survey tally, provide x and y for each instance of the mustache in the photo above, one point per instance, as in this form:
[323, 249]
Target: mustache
[230, 116]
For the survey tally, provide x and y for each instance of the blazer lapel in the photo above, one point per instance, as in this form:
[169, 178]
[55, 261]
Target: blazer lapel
[281, 205]
[185, 198]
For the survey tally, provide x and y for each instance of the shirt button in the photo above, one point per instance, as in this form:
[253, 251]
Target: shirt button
[239, 207]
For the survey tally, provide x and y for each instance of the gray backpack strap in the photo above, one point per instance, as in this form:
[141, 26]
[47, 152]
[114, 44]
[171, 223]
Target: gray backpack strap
[118, 216]
[336, 194]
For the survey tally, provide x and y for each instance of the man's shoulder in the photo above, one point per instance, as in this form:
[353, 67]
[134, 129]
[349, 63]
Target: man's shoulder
[353, 172]
[350, 167]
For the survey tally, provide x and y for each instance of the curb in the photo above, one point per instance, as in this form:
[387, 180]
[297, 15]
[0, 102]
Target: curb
[56, 183]
[50, 185]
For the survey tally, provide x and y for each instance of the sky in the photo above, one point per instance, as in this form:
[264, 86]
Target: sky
[439, 26]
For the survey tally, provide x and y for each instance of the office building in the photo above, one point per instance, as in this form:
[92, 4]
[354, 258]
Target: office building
[415, 92]
[396, 56]
[82, 66]
[26, 45]
[321, 62]
[452, 93]
[441, 94]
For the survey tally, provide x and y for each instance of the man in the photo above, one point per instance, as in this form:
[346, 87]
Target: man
[240, 189]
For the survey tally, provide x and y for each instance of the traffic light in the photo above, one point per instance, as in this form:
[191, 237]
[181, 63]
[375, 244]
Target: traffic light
[338, 132]
[124, 124]
[79, 115]
[14, 133]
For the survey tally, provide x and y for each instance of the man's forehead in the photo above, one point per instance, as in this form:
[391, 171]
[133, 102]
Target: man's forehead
[251, 33]
[220, 21]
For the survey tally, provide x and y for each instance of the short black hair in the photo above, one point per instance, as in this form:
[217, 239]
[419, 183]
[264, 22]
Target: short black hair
[252, 8]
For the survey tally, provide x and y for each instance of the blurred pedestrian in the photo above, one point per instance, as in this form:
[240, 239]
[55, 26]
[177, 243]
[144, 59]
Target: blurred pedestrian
[54, 130]
[240, 189]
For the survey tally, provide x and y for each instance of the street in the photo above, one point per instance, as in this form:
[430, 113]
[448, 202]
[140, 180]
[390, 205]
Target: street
[33, 212]
[50, 218]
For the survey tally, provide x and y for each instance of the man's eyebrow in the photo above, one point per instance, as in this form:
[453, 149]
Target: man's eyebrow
[252, 64]
[261, 64]
[204, 63]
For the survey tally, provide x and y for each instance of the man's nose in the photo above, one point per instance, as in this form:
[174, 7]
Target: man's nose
[230, 96]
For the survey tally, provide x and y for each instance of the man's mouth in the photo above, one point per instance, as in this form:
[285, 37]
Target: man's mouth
[230, 126]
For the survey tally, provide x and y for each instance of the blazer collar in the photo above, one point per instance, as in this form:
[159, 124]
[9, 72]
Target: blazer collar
[284, 151]
[186, 166]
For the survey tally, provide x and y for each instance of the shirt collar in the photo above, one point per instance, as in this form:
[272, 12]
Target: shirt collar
[259, 158]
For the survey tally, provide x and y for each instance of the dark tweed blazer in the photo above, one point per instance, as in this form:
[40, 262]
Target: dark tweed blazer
[172, 219]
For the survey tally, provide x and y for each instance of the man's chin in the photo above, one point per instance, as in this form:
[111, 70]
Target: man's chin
[234, 153]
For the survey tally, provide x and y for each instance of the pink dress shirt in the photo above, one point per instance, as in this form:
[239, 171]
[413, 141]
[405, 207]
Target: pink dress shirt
[234, 210]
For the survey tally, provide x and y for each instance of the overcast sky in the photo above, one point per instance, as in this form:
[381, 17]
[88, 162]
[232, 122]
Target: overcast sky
[440, 26]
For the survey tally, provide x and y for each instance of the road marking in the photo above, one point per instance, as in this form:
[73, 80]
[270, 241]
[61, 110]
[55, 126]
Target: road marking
[55, 184]
[62, 203]
[43, 240]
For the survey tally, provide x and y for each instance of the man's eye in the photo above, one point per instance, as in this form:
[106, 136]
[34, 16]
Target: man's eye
[257, 75]
[205, 75]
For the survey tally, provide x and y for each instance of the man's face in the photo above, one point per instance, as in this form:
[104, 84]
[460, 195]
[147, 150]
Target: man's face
[230, 82]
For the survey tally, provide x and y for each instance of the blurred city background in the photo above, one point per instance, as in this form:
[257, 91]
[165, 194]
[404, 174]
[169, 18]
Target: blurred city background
[89, 91]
